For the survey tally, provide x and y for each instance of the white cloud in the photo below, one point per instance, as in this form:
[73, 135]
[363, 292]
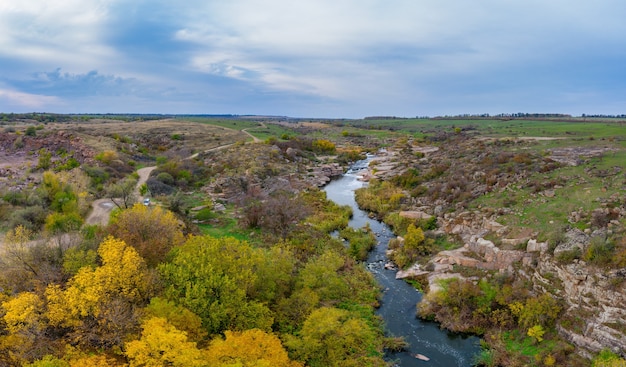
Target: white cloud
[11, 98]
[66, 33]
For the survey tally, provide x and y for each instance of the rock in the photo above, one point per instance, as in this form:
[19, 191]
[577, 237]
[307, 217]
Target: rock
[512, 242]
[414, 271]
[534, 246]
[573, 238]
[417, 215]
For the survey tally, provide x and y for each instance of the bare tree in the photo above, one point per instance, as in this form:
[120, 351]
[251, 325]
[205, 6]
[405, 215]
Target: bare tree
[124, 192]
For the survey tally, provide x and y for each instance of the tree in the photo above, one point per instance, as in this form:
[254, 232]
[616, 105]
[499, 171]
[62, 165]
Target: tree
[278, 213]
[249, 348]
[213, 278]
[542, 311]
[63, 223]
[178, 316]
[321, 276]
[153, 231]
[23, 311]
[414, 244]
[282, 213]
[332, 337]
[162, 344]
[99, 303]
[123, 191]
[45, 159]
[536, 332]
[27, 265]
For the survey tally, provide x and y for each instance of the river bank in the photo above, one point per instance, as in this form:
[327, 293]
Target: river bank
[399, 299]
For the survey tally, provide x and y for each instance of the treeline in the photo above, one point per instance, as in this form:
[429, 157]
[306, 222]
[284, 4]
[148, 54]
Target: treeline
[138, 292]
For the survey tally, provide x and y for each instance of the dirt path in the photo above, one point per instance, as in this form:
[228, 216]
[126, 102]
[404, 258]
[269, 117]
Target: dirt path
[102, 207]
[254, 138]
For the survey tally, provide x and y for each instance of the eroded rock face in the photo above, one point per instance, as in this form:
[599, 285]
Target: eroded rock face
[574, 238]
[595, 299]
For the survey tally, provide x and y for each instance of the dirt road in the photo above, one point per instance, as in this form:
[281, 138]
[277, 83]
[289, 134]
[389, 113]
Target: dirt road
[102, 207]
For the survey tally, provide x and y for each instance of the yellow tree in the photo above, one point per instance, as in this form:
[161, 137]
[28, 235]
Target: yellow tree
[250, 348]
[180, 317]
[101, 301]
[162, 344]
[23, 311]
[153, 231]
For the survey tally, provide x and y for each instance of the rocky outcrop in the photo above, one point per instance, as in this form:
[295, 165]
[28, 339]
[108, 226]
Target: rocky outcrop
[594, 302]
[321, 175]
[416, 215]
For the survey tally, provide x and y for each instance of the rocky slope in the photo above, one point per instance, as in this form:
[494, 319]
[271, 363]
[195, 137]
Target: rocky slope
[594, 296]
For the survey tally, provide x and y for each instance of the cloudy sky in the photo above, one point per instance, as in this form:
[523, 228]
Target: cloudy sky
[313, 58]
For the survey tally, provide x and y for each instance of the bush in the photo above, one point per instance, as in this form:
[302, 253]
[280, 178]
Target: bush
[106, 157]
[568, 256]
[324, 146]
[166, 178]
[31, 218]
[31, 131]
[599, 252]
[361, 241]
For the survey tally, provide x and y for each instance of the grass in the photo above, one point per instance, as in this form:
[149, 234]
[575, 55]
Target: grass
[525, 346]
[225, 228]
[224, 224]
[227, 123]
[583, 189]
[272, 131]
[578, 128]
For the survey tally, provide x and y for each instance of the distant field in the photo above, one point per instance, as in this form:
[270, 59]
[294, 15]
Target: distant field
[502, 128]
[227, 123]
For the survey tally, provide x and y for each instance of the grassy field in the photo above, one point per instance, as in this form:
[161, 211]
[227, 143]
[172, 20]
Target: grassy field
[227, 123]
[502, 128]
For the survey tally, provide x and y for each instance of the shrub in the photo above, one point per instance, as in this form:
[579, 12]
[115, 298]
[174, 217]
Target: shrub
[599, 252]
[324, 146]
[31, 131]
[568, 256]
[70, 164]
[106, 157]
[361, 241]
[31, 218]
[166, 178]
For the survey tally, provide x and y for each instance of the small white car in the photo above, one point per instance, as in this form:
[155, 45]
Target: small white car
[146, 201]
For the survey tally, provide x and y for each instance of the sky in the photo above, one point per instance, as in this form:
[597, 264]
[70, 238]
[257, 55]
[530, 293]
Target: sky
[313, 58]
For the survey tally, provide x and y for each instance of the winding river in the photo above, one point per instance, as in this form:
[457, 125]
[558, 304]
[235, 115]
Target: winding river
[399, 298]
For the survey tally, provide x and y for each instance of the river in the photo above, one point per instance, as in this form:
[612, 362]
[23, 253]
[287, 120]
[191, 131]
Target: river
[399, 298]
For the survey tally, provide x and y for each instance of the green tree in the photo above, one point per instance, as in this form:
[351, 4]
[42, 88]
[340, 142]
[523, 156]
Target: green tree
[213, 278]
[122, 193]
[321, 275]
[44, 160]
[333, 337]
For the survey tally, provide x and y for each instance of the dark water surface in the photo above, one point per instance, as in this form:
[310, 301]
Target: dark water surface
[399, 298]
